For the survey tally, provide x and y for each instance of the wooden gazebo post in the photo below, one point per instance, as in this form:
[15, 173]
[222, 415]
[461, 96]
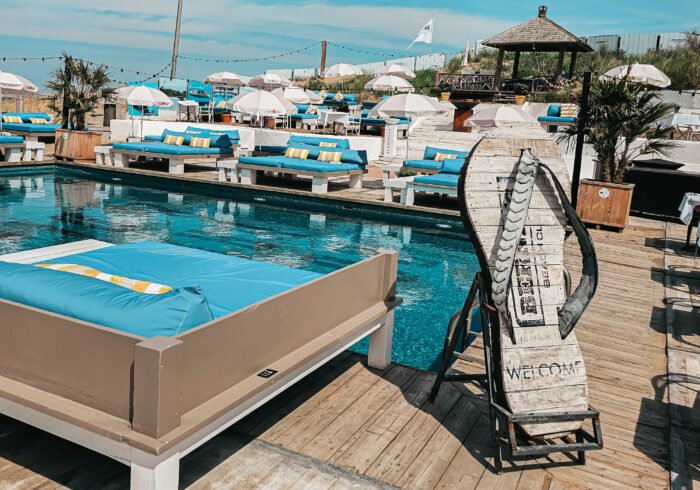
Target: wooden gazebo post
[516, 65]
[560, 66]
[499, 71]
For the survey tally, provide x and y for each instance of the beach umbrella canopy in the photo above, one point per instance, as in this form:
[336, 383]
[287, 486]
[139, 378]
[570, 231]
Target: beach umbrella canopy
[269, 81]
[226, 78]
[638, 73]
[298, 95]
[261, 103]
[499, 115]
[396, 70]
[389, 83]
[342, 70]
[143, 96]
[411, 105]
[15, 84]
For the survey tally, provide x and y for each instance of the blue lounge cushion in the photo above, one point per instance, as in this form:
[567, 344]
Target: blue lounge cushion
[452, 165]
[92, 300]
[554, 110]
[350, 97]
[153, 137]
[316, 166]
[228, 283]
[4, 140]
[168, 132]
[446, 180]
[233, 135]
[554, 119]
[423, 164]
[26, 116]
[312, 140]
[304, 116]
[302, 108]
[430, 153]
[158, 147]
[348, 156]
[268, 161]
[31, 128]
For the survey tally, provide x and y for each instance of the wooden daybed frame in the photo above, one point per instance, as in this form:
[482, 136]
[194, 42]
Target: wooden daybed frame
[176, 163]
[149, 402]
[247, 173]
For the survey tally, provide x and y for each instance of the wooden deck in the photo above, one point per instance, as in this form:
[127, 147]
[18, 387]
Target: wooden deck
[348, 426]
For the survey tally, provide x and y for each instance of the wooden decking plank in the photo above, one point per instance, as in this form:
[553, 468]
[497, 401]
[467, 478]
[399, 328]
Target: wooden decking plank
[471, 459]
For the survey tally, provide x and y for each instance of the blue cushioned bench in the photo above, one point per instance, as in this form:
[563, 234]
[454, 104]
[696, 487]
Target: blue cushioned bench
[30, 131]
[554, 118]
[428, 165]
[352, 164]
[445, 182]
[11, 147]
[221, 146]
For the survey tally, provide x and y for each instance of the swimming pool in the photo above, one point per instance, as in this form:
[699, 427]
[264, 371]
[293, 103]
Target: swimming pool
[46, 206]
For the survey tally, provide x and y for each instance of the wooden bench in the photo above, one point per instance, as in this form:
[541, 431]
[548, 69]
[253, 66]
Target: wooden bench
[319, 184]
[408, 196]
[228, 171]
[33, 150]
[103, 155]
[176, 163]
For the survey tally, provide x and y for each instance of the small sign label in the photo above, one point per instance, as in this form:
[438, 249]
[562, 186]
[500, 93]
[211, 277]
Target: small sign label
[604, 193]
[267, 373]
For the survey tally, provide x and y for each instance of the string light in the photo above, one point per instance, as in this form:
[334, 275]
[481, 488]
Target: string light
[249, 60]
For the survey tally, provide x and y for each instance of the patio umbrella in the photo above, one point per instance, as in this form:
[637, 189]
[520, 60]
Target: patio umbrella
[14, 84]
[342, 70]
[298, 95]
[226, 78]
[637, 73]
[144, 97]
[499, 115]
[269, 81]
[396, 70]
[389, 83]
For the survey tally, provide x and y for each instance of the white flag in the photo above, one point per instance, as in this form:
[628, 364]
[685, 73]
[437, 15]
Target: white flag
[425, 35]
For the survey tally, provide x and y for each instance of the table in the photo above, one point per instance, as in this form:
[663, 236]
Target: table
[333, 118]
[185, 107]
[689, 213]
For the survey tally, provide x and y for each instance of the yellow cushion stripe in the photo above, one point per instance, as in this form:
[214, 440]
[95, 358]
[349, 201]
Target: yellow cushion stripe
[38, 120]
[146, 287]
[444, 156]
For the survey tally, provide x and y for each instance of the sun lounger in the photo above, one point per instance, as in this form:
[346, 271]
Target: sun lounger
[147, 392]
[27, 129]
[559, 115]
[444, 182]
[12, 148]
[352, 164]
[176, 155]
[428, 164]
[515, 207]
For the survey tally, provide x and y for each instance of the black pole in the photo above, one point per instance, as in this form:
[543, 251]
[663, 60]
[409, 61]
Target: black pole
[580, 137]
[65, 113]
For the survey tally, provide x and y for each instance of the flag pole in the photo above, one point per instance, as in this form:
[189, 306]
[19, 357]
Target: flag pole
[432, 33]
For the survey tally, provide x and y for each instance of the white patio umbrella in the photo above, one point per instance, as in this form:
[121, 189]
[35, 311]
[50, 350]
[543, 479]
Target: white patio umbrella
[298, 95]
[499, 115]
[269, 81]
[14, 84]
[225, 78]
[342, 70]
[638, 73]
[144, 97]
[396, 70]
[389, 83]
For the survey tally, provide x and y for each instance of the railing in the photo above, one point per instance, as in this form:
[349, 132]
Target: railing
[487, 83]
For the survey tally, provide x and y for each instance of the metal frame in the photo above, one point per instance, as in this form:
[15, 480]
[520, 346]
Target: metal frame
[503, 422]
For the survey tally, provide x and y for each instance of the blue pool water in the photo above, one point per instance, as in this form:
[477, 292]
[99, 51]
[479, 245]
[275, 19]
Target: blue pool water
[45, 207]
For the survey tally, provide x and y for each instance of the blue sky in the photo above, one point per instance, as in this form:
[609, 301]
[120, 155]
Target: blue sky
[138, 34]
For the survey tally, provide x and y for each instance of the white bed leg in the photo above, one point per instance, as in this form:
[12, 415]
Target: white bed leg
[222, 175]
[248, 176]
[176, 167]
[408, 195]
[319, 185]
[163, 475]
[13, 154]
[380, 341]
[388, 194]
[356, 181]
[121, 160]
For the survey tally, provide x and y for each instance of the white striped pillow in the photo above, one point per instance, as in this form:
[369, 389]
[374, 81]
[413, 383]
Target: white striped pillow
[439, 157]
[329, 156]
[200, 142]
[38, 120]
[327, 144]
[300, 153]
[11, 119]
[174, 140]
[146, 287]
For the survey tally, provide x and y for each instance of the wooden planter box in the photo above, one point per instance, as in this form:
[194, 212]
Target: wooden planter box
[76, 145]
[600, 203]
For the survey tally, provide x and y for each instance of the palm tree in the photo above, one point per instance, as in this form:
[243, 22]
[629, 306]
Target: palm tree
[620, 114]
[77, 90]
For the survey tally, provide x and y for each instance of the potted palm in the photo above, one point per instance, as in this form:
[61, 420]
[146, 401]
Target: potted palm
[623, 123]
[78, 88]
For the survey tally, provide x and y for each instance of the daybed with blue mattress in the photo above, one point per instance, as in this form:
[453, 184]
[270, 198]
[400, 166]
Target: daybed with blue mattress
[31, 131]
[428, 164]
[350, 163]
[146, 378]
[559, 115]
[444, 182]
[218, 145]
[303, 119]
[11, 147]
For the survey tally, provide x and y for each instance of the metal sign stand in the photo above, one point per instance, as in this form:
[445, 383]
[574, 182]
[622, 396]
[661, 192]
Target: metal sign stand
[504, 423]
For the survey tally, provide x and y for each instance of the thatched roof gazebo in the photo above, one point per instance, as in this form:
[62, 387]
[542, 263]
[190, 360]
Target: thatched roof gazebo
[537, 35]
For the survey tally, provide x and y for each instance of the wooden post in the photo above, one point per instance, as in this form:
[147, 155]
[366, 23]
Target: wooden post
[516, 65]
[176, 42]
[560, 66]
[572, 64]
[324, 47]
[580, 136]
[499, 71]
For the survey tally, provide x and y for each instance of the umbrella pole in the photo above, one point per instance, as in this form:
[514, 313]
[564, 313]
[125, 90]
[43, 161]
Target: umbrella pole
[0, 108]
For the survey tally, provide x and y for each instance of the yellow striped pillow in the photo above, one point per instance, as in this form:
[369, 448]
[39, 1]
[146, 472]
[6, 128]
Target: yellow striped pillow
[11, 119]
[329, 156]
[146, 287]
[174, 140]
[200, 142]
[327, 144]
[568, 110]
[299, 153]
[439, 157]
[38, 120]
